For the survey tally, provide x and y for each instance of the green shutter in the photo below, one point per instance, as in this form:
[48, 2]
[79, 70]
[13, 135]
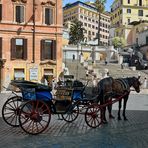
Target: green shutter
[42, 57]
[1, 47]
[25, 49]
[51, 16]
[47, 16]
[13, 49]
[0, 12]
[17, 14]
[21, 14]
[54, 50]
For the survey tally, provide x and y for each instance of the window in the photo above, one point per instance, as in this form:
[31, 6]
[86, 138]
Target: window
[89, 32]
[19, 74]
[128, 1]
[137, 41]
[128, 21]
[48, 50]
[0, 12]
[0, 47]
[140, 2]
[48, 16]
[18, 48]
[121, 11]
[140, 12]
[128, 10]
[19, 14]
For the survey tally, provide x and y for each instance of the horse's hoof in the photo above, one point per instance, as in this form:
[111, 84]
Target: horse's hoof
[125, 119]
[111, 117]
[104, 122]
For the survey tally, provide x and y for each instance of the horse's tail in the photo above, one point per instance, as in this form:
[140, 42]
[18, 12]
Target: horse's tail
[100, 93]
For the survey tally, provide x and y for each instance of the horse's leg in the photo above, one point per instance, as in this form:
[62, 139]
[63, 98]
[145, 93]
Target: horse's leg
[110, 109]
[103, 112]
[124, 107]
[119, 117]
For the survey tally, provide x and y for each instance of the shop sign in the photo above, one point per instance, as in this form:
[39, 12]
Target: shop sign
[33, 73]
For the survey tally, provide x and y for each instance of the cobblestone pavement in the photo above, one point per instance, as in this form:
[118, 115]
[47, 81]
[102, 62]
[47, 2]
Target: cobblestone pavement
[116, 134]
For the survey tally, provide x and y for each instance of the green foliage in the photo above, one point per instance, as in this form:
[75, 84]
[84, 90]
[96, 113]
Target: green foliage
[118, 42]
[100, 5]
[76, 34]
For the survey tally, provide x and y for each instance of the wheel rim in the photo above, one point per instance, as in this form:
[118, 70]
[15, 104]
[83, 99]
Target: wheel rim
[70, 116]
[93, 116]
[10, 111]
[34, 117]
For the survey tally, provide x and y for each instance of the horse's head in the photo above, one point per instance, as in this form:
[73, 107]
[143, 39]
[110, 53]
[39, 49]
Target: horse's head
[136, 84]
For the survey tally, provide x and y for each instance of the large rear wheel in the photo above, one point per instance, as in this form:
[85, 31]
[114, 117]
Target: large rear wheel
[93, 116]
[34, 117]
[10, 111]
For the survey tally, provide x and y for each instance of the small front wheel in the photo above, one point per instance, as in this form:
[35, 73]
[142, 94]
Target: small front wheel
[34, 117]
[71, 114]
[93, 116]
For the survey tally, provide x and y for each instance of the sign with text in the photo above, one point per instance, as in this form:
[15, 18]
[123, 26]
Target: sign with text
[33, 73]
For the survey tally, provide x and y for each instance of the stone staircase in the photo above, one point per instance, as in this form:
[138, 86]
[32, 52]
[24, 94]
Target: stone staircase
[76, 69]
[115, 70]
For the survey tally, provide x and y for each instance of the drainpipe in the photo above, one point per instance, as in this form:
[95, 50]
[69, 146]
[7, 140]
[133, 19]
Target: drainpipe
[33, 36]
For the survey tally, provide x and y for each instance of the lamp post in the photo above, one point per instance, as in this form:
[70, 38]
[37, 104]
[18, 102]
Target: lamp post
[33, 36]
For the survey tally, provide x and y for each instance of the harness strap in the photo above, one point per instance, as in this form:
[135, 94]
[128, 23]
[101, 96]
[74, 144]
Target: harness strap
[124, 84]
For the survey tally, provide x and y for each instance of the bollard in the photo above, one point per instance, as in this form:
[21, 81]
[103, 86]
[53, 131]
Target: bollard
[145, 85]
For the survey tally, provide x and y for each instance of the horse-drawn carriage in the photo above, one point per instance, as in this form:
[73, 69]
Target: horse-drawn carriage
[32, 111]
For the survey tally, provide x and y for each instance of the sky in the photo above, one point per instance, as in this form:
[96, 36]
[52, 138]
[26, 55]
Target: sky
[107, 6]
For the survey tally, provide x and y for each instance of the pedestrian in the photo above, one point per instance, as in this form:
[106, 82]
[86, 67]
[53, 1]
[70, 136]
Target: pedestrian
[105, 62]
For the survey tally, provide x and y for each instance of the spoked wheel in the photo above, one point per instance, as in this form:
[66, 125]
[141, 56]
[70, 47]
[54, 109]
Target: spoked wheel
[10, 111]
[93, 116]
[34, 117]
[71, 115]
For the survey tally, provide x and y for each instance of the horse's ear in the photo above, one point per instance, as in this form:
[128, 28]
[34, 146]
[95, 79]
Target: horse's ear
[139, 77]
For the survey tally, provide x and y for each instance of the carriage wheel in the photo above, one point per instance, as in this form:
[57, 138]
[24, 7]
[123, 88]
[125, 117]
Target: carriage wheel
[93, 116]
[34, 117]
[10, 111]
[71, 115]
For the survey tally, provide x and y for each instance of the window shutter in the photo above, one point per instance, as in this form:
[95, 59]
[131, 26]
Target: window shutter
[21, 14]
[25, 49]
[17, 14]
[0, 12]
[51, 16]
[13, 46]
[47, 16]
[54, 50]
[42, 50]
[1, 47]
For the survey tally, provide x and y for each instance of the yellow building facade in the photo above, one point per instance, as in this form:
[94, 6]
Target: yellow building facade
[124, 12]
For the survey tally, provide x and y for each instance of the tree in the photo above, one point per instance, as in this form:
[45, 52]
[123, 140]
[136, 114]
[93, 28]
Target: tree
[118, 42]
[76, 34]
[100, 5]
